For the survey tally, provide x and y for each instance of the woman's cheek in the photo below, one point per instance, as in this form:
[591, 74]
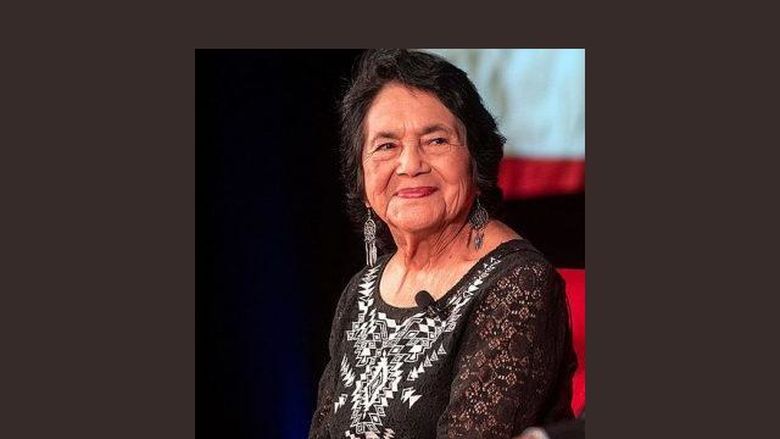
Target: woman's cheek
[376, 192]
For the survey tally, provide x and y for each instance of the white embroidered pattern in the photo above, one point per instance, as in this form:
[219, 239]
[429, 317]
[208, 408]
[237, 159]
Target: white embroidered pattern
[388, 353]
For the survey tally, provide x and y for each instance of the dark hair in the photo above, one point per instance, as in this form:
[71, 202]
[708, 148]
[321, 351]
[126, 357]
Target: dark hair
[427, 72]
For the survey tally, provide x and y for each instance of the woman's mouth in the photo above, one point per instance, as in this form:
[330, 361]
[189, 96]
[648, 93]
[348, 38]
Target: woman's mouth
[416, 192]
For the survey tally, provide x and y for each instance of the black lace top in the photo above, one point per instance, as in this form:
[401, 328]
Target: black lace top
[500, 359]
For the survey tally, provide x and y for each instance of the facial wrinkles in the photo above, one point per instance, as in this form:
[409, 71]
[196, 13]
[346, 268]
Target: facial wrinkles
[406, 120]
[405, 170]
[412, 160]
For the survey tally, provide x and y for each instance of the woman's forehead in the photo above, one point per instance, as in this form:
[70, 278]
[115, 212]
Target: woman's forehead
[398, 108]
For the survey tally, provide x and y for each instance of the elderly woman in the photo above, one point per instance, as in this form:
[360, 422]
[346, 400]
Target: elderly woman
[461, 328]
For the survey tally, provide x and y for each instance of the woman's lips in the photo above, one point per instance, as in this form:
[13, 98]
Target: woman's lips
[416, 192]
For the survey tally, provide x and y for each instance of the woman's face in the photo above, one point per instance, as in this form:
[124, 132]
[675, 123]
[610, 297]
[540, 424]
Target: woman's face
[415, 160]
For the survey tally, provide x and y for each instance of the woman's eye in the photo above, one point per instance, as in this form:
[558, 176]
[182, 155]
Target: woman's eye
[385, 146]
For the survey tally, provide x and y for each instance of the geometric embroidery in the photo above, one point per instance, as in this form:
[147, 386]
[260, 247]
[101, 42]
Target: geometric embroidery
[391, 355]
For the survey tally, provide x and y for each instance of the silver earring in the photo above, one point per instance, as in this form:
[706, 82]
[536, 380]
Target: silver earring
[369, 237]
[478, 219]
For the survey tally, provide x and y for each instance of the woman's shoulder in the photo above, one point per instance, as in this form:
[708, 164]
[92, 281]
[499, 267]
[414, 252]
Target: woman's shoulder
[502, 241]
[364, 278]
[496, 233]
[361, 282]
[368, 273]
[522, 275]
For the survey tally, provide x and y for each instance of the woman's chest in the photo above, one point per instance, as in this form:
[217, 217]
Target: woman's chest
[393, 373]
[394, 367]
[399, 287]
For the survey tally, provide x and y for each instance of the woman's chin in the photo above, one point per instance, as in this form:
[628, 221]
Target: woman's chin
[411, 223]
[415, 215]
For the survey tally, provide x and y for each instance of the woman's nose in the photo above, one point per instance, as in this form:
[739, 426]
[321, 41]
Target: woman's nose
[412, 161]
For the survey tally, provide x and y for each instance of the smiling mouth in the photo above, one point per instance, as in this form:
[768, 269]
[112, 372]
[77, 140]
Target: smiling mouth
[416, 192]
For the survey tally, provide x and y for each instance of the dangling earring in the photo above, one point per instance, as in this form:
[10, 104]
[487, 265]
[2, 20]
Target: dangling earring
[369, 237]
[478, 219]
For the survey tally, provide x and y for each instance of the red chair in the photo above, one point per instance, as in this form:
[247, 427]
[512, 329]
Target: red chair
[575, 293]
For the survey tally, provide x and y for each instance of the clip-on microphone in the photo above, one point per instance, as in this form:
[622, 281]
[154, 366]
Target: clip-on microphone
[425, 300]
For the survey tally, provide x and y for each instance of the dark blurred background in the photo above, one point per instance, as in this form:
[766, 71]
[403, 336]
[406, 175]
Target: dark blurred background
[274, 246]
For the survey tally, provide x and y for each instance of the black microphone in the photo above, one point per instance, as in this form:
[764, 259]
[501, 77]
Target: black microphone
[425, 300]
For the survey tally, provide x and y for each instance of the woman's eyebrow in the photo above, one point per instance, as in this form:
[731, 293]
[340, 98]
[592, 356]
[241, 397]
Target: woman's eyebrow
[435, 127]
[384, 135]
[428, 129]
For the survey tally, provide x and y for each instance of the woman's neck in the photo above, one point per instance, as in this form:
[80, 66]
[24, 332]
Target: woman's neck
[427, 251]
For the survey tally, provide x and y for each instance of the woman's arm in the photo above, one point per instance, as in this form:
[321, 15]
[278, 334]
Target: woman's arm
[506, 374]
[326, 388]
[319, 424]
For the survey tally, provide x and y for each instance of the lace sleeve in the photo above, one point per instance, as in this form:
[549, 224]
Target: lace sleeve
[505, 375]
[325, 390]
[319, 424]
